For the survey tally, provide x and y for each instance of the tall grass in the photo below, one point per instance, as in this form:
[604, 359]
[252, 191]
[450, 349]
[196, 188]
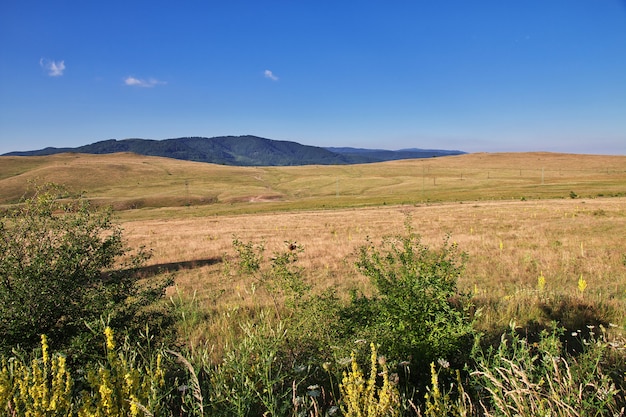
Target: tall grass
[534, 379]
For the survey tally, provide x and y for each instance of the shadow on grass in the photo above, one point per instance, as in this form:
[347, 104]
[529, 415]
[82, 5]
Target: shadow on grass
[579, 320]
[153, 270]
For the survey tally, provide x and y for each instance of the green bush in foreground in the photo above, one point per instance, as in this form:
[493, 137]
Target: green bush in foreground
[63, 266]
[417, 312]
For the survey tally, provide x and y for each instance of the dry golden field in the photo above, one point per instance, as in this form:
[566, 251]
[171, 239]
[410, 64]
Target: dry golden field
[518, 217]
[510, 244]
[128, 181]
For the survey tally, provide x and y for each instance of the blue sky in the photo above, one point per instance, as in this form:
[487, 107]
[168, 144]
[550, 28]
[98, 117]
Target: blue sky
[479, 76]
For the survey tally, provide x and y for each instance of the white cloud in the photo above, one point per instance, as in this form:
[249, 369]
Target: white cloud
[138, 82]
[269, 74]
[54, 68]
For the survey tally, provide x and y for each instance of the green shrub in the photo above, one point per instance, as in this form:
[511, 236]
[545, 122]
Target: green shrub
[63, 266]
[417, 313]
[282, 278]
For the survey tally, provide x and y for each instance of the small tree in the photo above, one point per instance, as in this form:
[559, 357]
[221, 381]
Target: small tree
[63, 266]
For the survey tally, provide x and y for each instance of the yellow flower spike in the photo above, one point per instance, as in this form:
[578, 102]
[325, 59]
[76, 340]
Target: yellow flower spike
[541, 282]
[61, 386]
[434, 380]
[108, 333]
[5, 383]
[363, 398]
[582, 284]
[134, 409]
[44, 349]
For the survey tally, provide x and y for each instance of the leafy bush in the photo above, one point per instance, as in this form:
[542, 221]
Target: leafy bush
[282, 279]
[63, 266]
[417, 312]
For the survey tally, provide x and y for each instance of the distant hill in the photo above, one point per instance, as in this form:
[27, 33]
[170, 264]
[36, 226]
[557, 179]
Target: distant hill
[242, 151]
[382, 155]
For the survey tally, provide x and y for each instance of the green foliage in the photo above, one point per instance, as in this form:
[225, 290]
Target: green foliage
[282, 278]
[285, 277]
[451, 400]
[252, 378]
[249, 256]
[307, 314]
[63, 266]
[417, 311]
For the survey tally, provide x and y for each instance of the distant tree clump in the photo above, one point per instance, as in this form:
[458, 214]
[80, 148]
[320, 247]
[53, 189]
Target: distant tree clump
[64, 268]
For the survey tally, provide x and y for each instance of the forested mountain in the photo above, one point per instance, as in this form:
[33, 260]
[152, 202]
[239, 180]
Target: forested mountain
[243, 151]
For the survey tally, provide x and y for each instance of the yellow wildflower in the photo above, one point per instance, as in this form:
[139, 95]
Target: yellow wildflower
[108, 333]
[44, 349]
[582, 284]
[541, 282]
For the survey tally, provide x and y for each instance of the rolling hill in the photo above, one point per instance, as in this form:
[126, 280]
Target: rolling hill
[242, 151]
[131, 181]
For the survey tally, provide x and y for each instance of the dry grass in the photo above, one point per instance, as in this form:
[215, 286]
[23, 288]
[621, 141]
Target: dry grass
[511, 212]
[509, 245]
[131, 181]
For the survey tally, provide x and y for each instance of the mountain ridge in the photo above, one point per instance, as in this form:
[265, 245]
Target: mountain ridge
[247, 150]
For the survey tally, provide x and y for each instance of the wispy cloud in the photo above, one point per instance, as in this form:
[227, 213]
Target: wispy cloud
[54, 68]
[139, 82]
[269, 74]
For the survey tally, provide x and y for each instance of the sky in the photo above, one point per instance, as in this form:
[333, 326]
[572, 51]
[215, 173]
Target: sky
[477, 76]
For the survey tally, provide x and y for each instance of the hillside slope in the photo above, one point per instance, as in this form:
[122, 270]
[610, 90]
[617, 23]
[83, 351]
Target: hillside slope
[130, 181]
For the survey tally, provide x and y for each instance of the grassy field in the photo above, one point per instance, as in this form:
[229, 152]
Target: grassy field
[128, 181]
[545, 234]
[510, 244]
[513, 213]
